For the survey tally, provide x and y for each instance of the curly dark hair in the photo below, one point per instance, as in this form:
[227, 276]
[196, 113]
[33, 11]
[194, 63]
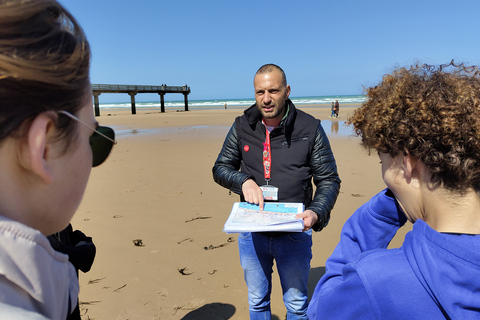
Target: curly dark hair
[433, 113]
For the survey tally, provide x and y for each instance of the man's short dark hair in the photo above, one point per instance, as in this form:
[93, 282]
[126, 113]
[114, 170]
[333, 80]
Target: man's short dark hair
[267, 68]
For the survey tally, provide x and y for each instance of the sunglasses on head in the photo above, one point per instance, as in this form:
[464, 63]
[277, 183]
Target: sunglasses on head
[101, 141]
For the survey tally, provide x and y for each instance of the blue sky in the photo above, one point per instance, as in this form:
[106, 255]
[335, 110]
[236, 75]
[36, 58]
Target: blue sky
[326, 47]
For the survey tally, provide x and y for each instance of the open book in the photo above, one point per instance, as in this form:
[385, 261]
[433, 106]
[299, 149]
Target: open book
[275, 216]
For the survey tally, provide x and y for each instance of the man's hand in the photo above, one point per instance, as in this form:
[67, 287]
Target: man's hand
[252, 193]
[309, 219]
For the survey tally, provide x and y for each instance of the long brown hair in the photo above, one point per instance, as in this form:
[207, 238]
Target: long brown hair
[44, 64]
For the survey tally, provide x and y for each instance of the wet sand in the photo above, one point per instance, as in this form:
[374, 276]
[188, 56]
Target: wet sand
[156, 217]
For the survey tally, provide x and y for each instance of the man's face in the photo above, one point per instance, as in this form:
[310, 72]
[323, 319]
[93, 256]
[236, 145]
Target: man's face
[271, 95]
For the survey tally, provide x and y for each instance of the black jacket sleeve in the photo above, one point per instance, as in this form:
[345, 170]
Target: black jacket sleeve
[79, 248]
[325, 178]
[225, 169]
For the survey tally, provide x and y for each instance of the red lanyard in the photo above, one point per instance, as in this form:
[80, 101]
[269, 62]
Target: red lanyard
[267, 156]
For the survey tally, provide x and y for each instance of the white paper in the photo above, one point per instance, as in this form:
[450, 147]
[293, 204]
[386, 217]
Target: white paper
[275, 216]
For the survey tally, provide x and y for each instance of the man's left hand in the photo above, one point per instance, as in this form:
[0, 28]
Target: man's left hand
[309, 219]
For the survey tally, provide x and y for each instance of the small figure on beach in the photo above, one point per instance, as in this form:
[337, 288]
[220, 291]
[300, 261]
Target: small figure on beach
[263, 128]
[333, 110]
[336, 109]
[49, 141]
[424, 124]
[225, 106]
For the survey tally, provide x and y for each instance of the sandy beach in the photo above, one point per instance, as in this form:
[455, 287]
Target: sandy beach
[156, 217]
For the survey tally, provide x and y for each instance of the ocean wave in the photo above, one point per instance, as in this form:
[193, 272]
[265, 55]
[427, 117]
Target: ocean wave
[220, 103]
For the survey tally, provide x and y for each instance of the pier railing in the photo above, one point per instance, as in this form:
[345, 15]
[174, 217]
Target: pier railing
[132, 90]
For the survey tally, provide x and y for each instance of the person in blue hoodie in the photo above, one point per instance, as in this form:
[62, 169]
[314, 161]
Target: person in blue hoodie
[424, 122]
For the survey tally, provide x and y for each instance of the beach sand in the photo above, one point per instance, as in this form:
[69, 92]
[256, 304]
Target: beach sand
[156, 217]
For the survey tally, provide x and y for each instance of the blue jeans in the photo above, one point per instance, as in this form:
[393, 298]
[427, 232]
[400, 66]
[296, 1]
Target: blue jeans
[292, 253]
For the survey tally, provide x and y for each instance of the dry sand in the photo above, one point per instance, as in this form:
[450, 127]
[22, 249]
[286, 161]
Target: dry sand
[157, 187]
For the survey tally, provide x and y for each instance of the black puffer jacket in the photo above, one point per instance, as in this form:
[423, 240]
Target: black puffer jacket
[300, 151]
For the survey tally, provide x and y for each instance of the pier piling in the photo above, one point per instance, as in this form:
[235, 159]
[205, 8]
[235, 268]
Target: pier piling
[132, 90]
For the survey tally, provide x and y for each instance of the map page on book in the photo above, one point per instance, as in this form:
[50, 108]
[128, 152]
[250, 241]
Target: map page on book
[275, 216]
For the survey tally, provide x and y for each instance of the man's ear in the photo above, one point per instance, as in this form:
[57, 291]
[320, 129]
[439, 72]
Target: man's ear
[36, 152]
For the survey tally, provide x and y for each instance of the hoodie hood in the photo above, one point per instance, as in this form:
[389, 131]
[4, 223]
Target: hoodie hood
[32, 274]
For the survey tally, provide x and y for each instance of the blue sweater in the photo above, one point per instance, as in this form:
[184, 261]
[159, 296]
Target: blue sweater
[432, 276]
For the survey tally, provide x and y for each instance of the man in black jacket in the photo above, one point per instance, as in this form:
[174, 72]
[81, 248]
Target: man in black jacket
[272, 152]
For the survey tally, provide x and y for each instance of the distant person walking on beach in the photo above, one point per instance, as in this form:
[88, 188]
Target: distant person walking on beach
[336, 109]
[275, 144]
[333, 110]
[225, 106]
[424, 124]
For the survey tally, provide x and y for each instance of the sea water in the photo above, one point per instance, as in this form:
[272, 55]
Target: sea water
[243, 103]
[332, 127]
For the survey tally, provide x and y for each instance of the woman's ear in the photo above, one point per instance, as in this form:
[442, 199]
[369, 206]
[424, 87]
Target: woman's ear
[36, 152]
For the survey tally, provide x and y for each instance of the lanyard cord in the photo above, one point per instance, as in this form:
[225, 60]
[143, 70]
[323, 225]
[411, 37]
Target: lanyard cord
[267, 156]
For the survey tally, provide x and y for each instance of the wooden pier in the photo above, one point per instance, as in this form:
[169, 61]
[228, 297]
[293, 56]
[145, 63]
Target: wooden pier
[132, 90]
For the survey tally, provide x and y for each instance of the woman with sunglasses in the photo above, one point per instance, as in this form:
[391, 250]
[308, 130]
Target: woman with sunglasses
[49, 140]
[424, 123]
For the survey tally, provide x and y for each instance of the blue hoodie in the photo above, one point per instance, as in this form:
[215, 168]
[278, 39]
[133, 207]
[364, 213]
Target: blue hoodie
[432, 276]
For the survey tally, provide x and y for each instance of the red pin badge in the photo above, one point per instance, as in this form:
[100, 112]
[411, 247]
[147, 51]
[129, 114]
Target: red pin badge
[246, 148]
